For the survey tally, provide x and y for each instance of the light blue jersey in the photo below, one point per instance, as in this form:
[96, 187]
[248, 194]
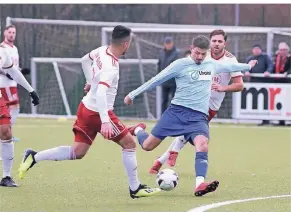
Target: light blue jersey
[193, 81]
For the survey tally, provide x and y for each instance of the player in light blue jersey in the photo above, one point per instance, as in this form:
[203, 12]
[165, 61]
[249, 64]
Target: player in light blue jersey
[188, 113]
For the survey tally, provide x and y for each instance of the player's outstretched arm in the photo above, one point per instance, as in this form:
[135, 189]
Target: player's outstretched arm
[163, 76]
[234, 67]
[20, 79]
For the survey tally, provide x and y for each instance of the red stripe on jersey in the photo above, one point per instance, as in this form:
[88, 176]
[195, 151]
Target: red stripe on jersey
[108, 53]
[8, 66]
[104, 83]
[4, 94]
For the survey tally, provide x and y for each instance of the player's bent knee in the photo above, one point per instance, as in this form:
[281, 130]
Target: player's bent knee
[79, 155]
[80, 150]
[147, 147]
[127, 142]
[5, 132]
[201, 143]
[151, 143]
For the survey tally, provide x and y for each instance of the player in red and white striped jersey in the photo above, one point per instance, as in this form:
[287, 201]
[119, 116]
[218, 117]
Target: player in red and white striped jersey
[6, 141]
[95, 114]
[220, 85]
[8, 86]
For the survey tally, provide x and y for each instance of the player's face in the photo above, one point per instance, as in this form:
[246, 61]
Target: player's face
[198, 55]
[10, 34]
[217, 44]
[257, 51]
[126, 46]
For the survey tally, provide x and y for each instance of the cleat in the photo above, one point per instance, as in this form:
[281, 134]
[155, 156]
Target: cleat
[131, 129]
[155, 167]
[144, 191]
[205, 188]
[0, 158]
[172, 158]
[8, 182]
[27, 162]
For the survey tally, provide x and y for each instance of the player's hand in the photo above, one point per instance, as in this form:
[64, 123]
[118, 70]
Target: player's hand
[252, 63]
[266, 74]
[128, 101]
[106, 130]
[217, 87]
[35, 98]
[25, 71]
[87, 88]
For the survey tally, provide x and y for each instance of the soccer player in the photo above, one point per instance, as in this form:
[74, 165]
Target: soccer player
[220, 85]
[188, 113]
[8, 86]
[7, 144]
[95, 114]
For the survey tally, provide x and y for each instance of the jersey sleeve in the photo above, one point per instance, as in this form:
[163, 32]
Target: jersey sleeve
[169, 72]
[235, 74]
[107, 75]
[93, 54]
[230, 67]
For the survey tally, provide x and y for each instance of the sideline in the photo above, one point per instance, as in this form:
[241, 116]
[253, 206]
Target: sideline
[219, 204]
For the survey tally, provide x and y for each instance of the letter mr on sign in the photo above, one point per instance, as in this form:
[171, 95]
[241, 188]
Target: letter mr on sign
[269, 96]
[263, 101]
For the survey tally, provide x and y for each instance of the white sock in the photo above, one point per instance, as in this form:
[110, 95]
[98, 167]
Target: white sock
[180, 142]
[199, 180]
[14, 113]
[7, 158]
[56, 154]
[136, 130]
[130, 165]
[166, 155]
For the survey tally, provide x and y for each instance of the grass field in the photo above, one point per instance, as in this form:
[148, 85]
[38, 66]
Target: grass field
[248, 162]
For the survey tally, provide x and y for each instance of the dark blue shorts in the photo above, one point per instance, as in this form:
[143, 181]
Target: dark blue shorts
[178, 120]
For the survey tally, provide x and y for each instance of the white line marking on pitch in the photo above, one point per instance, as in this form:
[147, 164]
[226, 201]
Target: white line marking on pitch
[219, 204]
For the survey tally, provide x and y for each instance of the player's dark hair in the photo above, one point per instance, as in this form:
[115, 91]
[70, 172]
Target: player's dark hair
[120, 34]
[10, 26]
[218, 32]
[201, 42]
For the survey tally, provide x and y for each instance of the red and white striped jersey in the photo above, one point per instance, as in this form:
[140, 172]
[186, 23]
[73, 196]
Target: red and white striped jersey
[223, 79]
[105, 69]
[13, 52]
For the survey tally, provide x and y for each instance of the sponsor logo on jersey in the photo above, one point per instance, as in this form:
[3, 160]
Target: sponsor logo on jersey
[204, 72]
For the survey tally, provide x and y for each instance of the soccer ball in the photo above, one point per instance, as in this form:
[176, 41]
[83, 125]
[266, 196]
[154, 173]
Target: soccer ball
[167, 179]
